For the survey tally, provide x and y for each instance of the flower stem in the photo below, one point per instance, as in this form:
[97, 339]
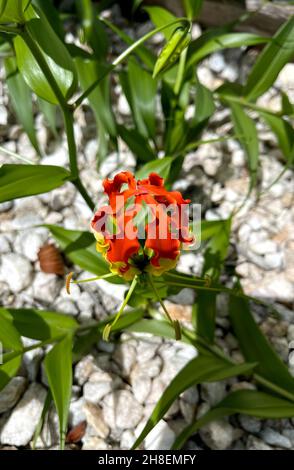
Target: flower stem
[107, 329]
[174, 323]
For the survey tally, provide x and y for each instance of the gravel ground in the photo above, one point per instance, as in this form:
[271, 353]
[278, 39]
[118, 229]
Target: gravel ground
[116, 386]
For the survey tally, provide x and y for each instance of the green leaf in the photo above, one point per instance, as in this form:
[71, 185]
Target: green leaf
[245, 129]
[204, 310]
[99, 99]
[94, 34]
[21, 99]
[52, 15]
[283, 131]
[255, 346]
[140, 90]
[49, 111]
[55, 55]
[9, 339]
[58, 367]
[160, 17]
[136, 143]
[13, 11]
[201, 369]
[9, 370]
[79, 247]
[9, 336]
[205, 106]
[160, 166]
[160, 328]
[287, 106]
[39, 324]
[278, 52]
[250, 402]
[27, 180]
[205, 45]
[193, 8]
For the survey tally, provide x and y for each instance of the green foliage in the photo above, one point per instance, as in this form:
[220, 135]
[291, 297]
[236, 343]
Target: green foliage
[41, 63]
[27, 180]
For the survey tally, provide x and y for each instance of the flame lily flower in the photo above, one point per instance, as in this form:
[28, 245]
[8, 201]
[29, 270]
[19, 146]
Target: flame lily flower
[140, 232]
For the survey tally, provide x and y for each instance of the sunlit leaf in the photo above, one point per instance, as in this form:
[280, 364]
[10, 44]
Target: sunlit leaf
[278, 52]
[250, 402]
[201, 369]
[21, 99]
[27, 180]
[161, 166]
[58, 367]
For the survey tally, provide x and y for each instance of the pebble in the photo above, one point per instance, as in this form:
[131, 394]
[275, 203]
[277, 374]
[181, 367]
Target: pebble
[11, 393]
[253, 443]
[122, 410]
[4, 245]
[274, 438]
[213, 392]
[6, 206]
[66, 306]
[217, 435]
[46, 287]
[160, 438]
[100, 384]
[76, 412]
[17, 271]
[95, 419]
[29, 243]
[125, 355]
[20, 426]
[250, 424]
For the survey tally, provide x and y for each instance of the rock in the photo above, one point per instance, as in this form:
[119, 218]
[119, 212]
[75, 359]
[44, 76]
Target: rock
[4, 245]
[11, 393]
[123, 105]
[274, 438]
[185, 297]
[141, 385]
[85, 368]
[250, 424]
[95, 443]
[32, 359]
[290, 333]
[62, 197]
[190, 395]
[122, 410]
[6, 206]
[28, 212]
[217, 62]
[160, 438]
[86, 302]
[100, 384]
[213, 392]
[188, 411]
[76, 412]
[179, 312]
[3, 115]
[58, 158]
[264, 247]
[277, 288]
[127, 439]
[17, 271]
[21, 424]
[146, 350]
[150, 368]
[29, 242]
[95, 419]
[46, 287]
[66, 306]
[274, 260]
[125, 355]
[217, 435]
[253, 443]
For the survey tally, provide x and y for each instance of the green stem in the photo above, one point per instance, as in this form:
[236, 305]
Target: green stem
[125, 54]
[91, 279]
[9, 356]
[247, 104]
[125, 302]
[181, 72]
[271, 386]
[72, 151]
[159, 298]
[9, 29]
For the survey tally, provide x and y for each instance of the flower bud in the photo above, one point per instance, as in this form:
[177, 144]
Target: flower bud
[178, 41]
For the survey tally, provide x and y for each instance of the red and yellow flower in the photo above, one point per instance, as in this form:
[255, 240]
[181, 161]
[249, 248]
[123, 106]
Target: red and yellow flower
[135, 232]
